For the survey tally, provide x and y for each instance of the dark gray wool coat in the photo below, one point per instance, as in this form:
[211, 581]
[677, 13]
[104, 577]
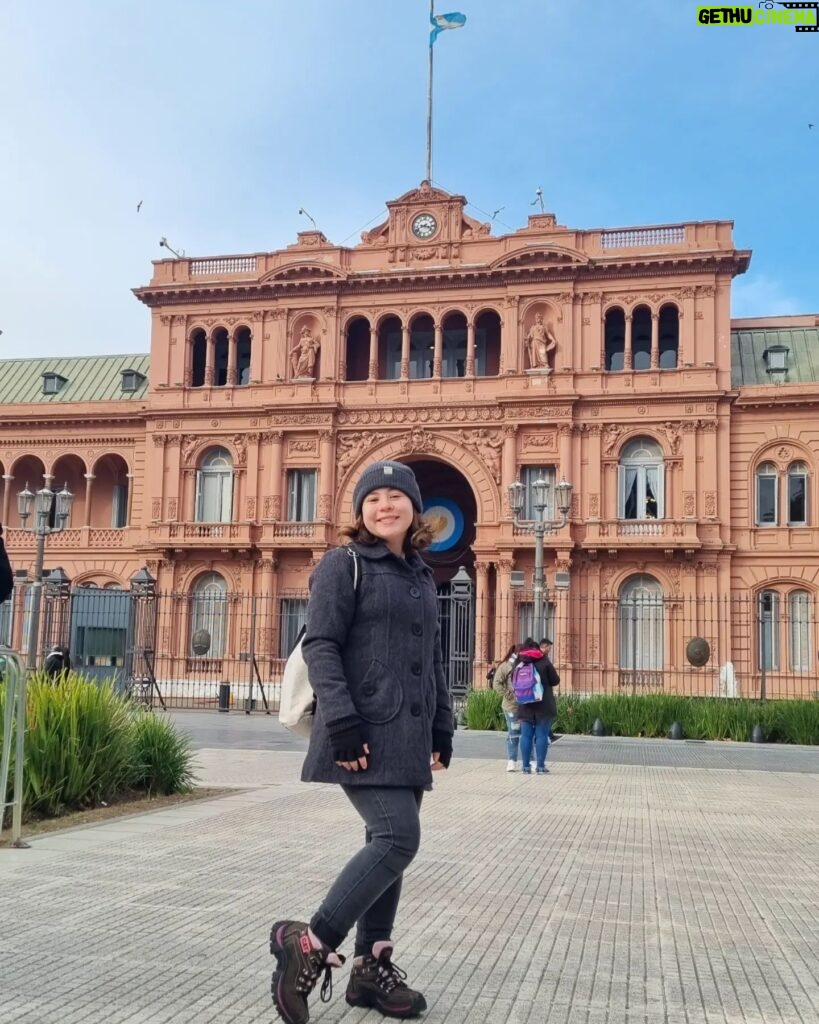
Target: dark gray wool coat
[378, 656]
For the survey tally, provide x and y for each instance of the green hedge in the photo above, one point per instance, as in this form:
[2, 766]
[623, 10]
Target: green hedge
[651, 715]
[86, 744]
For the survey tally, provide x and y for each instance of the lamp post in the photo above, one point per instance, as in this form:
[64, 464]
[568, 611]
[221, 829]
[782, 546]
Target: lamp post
[540, 526]
[42, 503]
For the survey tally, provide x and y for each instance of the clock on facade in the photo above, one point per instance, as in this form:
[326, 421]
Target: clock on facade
[424, 225]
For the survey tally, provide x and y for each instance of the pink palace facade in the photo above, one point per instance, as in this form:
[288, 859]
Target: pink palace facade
[224, 461]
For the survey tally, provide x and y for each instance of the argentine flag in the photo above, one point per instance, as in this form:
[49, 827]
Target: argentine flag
[440, 22]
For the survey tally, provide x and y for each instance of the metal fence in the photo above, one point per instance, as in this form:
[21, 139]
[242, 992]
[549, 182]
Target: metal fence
[211, 648]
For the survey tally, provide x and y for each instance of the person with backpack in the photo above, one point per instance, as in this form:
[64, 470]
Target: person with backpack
[502, 684]
[533, 680]
[382, 725]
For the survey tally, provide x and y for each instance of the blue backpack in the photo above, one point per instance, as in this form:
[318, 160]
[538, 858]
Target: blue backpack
[526, 684]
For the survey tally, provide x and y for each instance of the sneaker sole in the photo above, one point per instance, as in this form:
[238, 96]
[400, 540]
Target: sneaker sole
[368, 1001]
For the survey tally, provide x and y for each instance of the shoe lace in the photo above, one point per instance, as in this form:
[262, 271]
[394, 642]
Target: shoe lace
[310, 973]
[390, 976]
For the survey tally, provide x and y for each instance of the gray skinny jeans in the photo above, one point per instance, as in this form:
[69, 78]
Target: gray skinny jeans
[369, 887]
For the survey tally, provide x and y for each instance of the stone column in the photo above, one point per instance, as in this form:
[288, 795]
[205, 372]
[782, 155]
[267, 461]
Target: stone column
[276, 482]
[470, 348]
[686, 348]
[209, 355]
[7, 479]
[565, 468]
[510, 336]
[372, 372]
[509, 465]
[437, 356]
[257, 347]
[130, 513]
[232, 354]
[327, 459]
[655, 341]
[481, 661]
[89, 480]
[706, 485]
[627, 357]
[405, 351]
[593, 484]
[689, 469]
[252, 512]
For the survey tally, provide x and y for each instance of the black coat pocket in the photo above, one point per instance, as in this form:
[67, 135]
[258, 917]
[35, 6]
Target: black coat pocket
[379, 695]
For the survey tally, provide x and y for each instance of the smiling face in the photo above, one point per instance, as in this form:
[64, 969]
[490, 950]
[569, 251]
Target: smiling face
[387, 514]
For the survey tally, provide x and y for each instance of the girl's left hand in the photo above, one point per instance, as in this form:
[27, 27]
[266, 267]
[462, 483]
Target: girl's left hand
[436, 765]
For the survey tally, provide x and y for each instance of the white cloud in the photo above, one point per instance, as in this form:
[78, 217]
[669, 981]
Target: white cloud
[761, 295]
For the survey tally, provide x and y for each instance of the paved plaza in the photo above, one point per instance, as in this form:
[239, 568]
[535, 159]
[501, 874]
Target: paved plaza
[638, 883]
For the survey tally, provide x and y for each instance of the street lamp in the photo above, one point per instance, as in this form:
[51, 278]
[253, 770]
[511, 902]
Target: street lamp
[42, 504]
[540, 526]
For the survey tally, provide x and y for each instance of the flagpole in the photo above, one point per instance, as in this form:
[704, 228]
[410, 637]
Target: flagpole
[429, 101]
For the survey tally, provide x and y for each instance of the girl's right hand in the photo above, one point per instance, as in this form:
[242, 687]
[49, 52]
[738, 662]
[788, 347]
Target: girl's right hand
[355, 766]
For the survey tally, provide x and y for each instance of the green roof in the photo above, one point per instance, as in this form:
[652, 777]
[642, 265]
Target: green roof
[748, 347]
[88, 379]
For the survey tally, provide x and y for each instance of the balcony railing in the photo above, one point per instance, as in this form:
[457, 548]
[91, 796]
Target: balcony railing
[635, 532]
[205, 534]
[82, 537]
[639, 237]
[224, 265]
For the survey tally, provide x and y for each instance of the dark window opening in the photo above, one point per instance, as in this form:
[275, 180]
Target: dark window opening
[453, 354]
[487, 344]
[641, 338]
[358, 349]
[221, 347]
[669, 331]
[243, 352]
[615, 339]
[389, 348]
[422, 347]
[199, 357]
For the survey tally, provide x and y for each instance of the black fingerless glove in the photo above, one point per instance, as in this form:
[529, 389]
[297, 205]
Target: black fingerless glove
[442, 745]
[346, 739]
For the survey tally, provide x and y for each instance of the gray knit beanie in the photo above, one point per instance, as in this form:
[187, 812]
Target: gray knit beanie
[387, 474]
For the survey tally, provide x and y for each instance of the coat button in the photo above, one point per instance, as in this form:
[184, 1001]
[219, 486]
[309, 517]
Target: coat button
[415, 592]
[415, 710]
[417, 629]
[415, 668]
[368, 691]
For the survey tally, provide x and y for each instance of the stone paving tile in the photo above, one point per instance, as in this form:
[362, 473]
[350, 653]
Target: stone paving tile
[601, 893]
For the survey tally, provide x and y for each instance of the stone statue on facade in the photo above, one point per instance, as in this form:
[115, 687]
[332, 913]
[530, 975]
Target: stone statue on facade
[540, 344]
[303, 354]
[610, 436]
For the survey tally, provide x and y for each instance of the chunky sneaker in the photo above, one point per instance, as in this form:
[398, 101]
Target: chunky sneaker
[377, 982]
[511, 766]
[543, 771]
[299, 967]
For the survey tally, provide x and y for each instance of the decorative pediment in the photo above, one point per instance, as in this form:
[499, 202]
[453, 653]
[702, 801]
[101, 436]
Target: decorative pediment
[305, 270]
[537, 255]
[425, 193]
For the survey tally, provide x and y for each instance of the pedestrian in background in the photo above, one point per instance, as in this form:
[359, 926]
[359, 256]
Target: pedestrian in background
[536, 718]
[502, 684]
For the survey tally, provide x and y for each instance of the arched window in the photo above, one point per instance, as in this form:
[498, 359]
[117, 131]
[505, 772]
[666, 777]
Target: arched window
[641, 480]
[641, 640]
[767, 503]
[357, 351]
[797, 494]
[209, 611]
[199, 358]
[244, 347]
[768, 637]
[487, 344]
[453, 349]
[614, 340]
[422, 347]
[221, 356]
[801, 630]
[214, 487]
[669, 340]
[641, 338]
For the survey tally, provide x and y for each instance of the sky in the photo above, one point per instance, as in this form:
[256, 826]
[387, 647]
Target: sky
[224, 119]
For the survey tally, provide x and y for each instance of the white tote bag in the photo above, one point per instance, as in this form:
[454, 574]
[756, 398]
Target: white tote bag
[298, 704]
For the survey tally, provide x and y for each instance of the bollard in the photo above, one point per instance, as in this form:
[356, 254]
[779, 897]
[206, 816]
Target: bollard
[598, 729]
[676, 731]
[757, 735]
[224, 696]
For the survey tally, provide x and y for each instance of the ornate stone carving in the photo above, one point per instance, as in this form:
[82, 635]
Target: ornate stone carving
[711, 504]
[240, 444]
[156, 510]
[672, 432]
[539, 442]
[302, 446]
[251, 509]
[172, 507]
[159, 440]
[594, 506]
[611, 435]
[541, 344]
[689, 504]
[488, 444]
[276, 507]
[784, 454]
[325, 506]
[351, 446]
[303, 354]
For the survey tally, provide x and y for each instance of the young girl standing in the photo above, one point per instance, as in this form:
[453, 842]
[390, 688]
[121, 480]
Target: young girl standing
[383, 724]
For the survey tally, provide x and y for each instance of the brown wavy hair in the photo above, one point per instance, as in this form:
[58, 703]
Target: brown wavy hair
[418, 537]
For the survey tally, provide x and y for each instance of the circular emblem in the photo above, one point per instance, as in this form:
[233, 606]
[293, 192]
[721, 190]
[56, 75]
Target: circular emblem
[424, 225]
[447, 522]
[698, 651]
[200, 642]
